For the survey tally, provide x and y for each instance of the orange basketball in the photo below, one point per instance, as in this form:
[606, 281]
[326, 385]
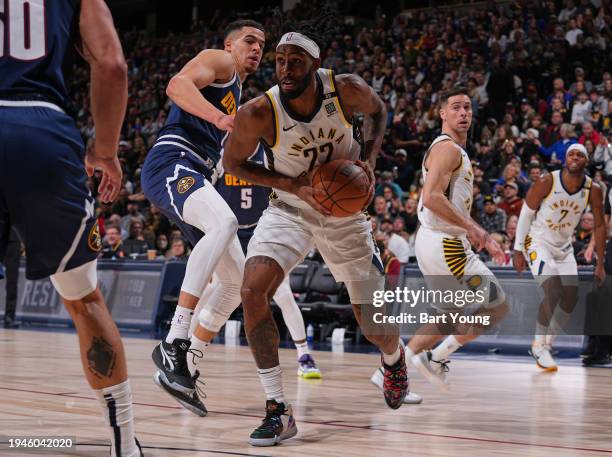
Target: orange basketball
[346, 185]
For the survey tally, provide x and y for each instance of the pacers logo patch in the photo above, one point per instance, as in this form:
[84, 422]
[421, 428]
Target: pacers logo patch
[94, 240]
[474, 282]
[185, 184]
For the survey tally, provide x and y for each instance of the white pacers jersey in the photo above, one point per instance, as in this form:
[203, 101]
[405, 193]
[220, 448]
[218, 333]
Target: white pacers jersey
[459, 192]
[560, 212]
[300, 143]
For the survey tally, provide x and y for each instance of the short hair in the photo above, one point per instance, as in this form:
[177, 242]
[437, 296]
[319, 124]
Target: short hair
[458, 90]
[239, 24]
[113, 227]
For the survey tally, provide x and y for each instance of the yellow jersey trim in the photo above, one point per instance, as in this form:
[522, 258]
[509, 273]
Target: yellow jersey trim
[552, 188]
[276, 126]
[338, 103]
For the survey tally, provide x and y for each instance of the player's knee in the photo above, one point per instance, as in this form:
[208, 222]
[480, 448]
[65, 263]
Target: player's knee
[569, 298]
[253, 295]
[225, 229]
[90, 307]
[229, 224]
[214, 314]
[77, 283]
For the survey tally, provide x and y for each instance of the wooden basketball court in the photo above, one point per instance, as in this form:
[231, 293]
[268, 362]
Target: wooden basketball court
[505, 408]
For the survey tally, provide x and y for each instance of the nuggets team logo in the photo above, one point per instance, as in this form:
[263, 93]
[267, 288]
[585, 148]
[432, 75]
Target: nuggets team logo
[184, 184]
[330, 108]
[94, 240]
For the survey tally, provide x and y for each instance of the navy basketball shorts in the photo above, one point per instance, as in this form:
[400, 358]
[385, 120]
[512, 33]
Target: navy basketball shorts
[43, 190]
[168, 177]
[244, 236]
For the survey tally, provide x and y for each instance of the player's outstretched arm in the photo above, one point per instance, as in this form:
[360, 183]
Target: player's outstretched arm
[534, 198]
[184, 88]
[102, 50]
[596, 202]
[253, 123]
[358, 97]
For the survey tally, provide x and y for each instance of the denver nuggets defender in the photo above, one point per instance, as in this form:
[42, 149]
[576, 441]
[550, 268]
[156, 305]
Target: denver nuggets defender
[178, 177]
[43, 183]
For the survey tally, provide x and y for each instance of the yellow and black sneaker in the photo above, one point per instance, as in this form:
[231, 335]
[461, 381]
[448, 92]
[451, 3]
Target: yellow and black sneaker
[278, 425]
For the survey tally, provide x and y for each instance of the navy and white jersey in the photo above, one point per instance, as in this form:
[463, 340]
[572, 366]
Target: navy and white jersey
[37, 47]
[200, 135]
[246, 200]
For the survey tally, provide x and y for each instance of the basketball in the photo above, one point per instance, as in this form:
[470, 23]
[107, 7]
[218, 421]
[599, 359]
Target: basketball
[346, 185]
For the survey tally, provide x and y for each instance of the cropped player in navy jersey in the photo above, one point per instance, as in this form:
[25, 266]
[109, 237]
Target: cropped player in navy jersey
[178, 176]
[43, 179]
[248, 202]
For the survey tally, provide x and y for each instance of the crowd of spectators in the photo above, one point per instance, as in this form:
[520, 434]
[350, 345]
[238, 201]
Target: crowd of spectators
[538, 75]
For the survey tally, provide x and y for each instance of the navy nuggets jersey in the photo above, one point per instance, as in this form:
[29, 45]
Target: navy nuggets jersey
[246, 200]
[37, 39]
[206, 137]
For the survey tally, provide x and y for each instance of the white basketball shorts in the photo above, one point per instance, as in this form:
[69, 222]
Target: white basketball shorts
[448, 262]
[287, 234]
[545, 261]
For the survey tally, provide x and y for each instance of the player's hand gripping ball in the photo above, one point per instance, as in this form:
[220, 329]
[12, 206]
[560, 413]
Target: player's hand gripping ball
[347, 188]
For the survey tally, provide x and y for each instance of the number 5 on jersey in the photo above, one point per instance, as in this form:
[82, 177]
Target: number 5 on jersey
[246, 197]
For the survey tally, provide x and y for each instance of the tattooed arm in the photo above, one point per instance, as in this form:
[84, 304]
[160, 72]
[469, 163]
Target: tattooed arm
[358, 97]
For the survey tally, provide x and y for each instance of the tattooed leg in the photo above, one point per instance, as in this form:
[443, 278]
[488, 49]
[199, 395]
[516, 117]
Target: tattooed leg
[102, 353]
[262, 276]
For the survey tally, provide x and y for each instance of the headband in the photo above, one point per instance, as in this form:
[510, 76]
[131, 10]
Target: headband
[580, 148]
[302, 41]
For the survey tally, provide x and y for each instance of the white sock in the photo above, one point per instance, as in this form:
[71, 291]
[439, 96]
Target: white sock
[116, 402]
[302, 349]
[540, 333]
[193, 360]
[390, 359]
[180, 324]
[272, 382]
[409, 353]
[445, 348]
[557, 324]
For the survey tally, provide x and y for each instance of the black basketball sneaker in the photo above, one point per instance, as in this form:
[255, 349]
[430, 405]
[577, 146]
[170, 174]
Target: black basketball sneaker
[171, 359]
[192, 401]
[174, 377]
[278, 425]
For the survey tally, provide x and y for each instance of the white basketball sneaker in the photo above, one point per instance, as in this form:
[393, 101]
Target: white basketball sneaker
[378, 378]
[435, 371]
[543, 357]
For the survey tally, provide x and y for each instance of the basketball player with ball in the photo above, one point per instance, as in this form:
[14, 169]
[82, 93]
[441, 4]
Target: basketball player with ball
[305, 124]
